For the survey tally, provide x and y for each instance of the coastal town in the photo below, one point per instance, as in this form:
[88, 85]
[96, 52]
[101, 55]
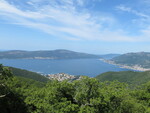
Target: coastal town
[62, 76]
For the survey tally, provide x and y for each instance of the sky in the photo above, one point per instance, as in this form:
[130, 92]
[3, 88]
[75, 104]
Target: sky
[91, 26]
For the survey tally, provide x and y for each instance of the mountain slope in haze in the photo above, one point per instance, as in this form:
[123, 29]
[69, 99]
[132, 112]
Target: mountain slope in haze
[109, 56]
[53, 54]
[130, 77]
[141, 59]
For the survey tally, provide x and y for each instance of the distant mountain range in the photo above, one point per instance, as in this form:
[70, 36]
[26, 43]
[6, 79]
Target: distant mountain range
[53, 54]
[141, 59]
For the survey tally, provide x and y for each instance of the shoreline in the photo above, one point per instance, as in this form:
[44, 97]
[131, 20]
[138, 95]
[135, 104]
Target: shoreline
[135, 67]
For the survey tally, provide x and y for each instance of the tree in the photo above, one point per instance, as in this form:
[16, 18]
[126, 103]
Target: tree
[10, 101]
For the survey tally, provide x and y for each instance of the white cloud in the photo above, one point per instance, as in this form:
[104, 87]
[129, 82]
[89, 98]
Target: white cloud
[81, 2]
[64, 21]
[143, 21]
[146, 2]
[9, 9]
[128, 9]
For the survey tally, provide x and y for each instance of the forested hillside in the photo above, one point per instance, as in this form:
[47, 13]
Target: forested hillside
[88, 95]
[129, 77]
[28, 74]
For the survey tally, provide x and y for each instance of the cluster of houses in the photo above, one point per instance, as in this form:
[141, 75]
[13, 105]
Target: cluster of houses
[62, 76]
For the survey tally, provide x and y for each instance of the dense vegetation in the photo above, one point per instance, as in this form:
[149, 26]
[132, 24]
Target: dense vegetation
[131, 59]
[88, 95]
[55, 54]
[129, 77]
[28, 74]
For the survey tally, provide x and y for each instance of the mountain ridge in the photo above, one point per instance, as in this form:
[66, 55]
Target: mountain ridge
[45, 54]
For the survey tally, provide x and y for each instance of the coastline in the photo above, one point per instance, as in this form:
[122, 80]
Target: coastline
[135, 67]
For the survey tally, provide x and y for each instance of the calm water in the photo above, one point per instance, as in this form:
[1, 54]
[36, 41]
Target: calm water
[89, 67]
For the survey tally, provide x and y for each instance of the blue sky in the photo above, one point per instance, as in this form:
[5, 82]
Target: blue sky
[92, 26]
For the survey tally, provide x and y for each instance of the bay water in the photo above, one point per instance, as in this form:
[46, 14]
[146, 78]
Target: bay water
[88, 67]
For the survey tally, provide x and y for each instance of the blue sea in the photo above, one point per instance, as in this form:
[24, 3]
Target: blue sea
[89, 67]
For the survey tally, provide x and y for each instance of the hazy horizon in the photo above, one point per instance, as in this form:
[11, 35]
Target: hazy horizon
[74, 51]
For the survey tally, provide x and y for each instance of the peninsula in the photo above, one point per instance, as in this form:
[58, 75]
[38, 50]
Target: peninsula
[135, 61]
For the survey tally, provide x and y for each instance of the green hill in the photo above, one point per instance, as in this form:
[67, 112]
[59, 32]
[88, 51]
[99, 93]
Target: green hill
[130, 77]
[87, 95]
[131, 59]
[53, 54]
[28, 74]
